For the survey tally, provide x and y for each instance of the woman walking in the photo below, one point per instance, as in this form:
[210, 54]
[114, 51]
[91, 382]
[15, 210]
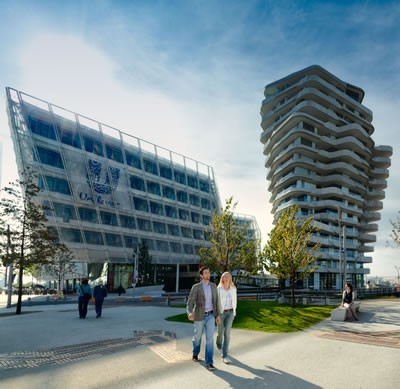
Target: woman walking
[227, 300]
[85, 294]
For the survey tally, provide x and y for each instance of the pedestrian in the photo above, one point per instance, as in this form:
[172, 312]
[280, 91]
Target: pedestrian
[227, 300]
[202, 308]
[120, 290]
[99, 293]
[85, 294]
[348, 302]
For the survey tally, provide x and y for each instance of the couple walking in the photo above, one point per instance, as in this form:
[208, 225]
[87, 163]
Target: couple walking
[85, 294]
[206, 305]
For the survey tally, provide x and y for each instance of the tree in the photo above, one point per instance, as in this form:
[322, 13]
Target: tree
[30, 241]
[144, 265]
[288, 253]
[395, 235]
[230, 250]
[62, 263]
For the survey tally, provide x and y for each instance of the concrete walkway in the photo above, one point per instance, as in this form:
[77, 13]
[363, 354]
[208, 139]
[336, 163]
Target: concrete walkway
[107, 352]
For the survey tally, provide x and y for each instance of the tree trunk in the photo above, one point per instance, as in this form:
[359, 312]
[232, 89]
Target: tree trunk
[21, 275]
[292, 292]
[9, 286]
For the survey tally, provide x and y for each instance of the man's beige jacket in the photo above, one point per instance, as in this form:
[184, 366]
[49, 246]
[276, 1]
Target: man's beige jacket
[197, 301]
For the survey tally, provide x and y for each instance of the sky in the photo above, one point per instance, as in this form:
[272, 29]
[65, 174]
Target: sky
[189, 75]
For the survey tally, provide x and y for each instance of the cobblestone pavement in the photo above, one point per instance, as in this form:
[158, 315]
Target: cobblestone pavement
[163, 343]
[377, 338]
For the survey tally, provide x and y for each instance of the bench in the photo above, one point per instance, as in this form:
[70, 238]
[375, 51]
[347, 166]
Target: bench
[339, 314]
[146, 298]
[120, 300]
[247, 297]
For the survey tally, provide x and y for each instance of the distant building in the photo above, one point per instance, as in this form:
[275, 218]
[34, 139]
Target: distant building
[320, 155]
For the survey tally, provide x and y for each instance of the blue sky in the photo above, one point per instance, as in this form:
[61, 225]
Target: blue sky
[189, 75]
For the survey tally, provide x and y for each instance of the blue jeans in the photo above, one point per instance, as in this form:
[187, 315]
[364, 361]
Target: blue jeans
[207, 324]
[224, 332]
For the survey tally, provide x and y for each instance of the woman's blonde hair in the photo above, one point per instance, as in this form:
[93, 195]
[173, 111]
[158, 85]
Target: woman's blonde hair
[222, 282]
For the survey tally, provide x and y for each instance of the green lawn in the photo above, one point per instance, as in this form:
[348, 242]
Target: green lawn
[269, 316]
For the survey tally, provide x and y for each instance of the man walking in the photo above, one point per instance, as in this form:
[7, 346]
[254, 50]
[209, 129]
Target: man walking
[203, 309]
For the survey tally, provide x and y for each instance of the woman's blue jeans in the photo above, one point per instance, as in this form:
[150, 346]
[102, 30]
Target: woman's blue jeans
[224, 332]
[207, 324]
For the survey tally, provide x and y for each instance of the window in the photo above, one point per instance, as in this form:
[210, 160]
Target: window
[173, 230]
[93, 237]
[186, 232]
[93, 146]
[188, 249]
[206, 236]
[88, 215]
[41, 128]
[195, 217]
[137, 183]
[140, 204]
[47, 208]
[127, 222]
[50, 157]
[160, 228]
[175, 247]
[149, 243]
[113, 240]
[114, 153]
[58, 185]
[156, 208]
[192, 182]
[308, 127]
[166, 172]
[162, 246]
[133, 160]
[109, 218]
[198, 234]
[184, 215]
[144, 225]
[194, 200]
[170, 212]
[150, 167]
[69, 137]
[205, 203]
[66, 212]
[154, 188]
[180, 177]
[204, 186]
[182, 196]
[306, 142]
[131, 241]
[72, 235]
[168, 192]
[206, 220]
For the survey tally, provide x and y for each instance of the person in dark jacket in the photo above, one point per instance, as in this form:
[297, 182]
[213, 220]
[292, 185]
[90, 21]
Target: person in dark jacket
[348, 302]
[120, 290]
[99, 293]
[85, 294]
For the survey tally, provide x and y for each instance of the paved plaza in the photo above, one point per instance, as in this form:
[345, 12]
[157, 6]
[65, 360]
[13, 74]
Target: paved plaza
[132, 346]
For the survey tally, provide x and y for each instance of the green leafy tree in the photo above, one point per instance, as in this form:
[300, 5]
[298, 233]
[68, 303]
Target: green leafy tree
[288, 253]
[395, 234]
[29, 241]
[229, 248]
[144, 265]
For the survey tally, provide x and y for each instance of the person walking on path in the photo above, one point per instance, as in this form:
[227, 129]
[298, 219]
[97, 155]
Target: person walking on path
[99, 292]
[85, 294]
[348, 302]
[202, 308]
[227, 299]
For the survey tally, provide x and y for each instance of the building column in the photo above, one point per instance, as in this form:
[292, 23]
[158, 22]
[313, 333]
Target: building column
[177, 278]
[338, 282]
[316, 281]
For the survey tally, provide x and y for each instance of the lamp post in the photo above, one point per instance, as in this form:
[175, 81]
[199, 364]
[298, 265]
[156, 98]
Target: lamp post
[398, 275]
[340, 248]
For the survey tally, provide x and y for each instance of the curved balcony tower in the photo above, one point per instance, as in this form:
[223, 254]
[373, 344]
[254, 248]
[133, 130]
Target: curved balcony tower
[320, 155]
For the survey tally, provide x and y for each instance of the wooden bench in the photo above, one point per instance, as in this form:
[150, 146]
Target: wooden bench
[247, 297]
[120, 300]
[339, 314]
[146, 298]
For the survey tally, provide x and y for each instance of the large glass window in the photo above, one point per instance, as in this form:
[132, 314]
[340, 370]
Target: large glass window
[50, 157]
[194, 200]
[197, 234]
[206, 220]
[150, 166]
[195, 217]
[47, 208]
[39, 127]
[144, 225]
[141, 205]
[184, 214]
[88, 215]
[173, 230]
[70, 138]
[192, 182]
[149, 243]
[182, 196]
[180, 177]
[188, 249]
[113, 240]
[133, 160]
[131, 241]
[114, 153]
[93, 146]
[58, 185]
[175, 247]
[204, 186]
[205, 203]
[186, 232]
[154, 188]
[160, 228]
[162, 246]
[156, 208]
[168, 192]
[137, 183]
[166, 172]
[66, 212]
[127, 222]
[93, 237]
[72, 235]
[171, 212]
[109, 218]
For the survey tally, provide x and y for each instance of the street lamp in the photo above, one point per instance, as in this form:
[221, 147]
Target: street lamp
[398, 274]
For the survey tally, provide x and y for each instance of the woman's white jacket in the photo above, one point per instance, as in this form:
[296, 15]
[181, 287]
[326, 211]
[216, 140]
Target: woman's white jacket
[222, 293]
